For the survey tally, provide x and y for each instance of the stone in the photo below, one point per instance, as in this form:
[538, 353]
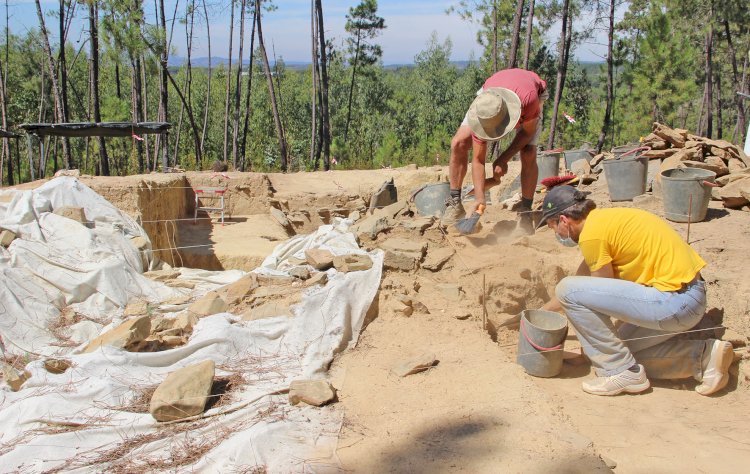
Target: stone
[660, 154]
[136, 308]
[266, 310]
[127, 335]
[406, 310]
[735, 165]
[369, 227]
[171, 340]
[352, 262]
[386, 195]
[183, 393]
[209, 304]
[6, 237]
[235, 292]
[411, 247]
[320, 278]
[462, 316]
[180, 284]
[279, 216]
[451, 291]
[14, 378]
[420, 307]
[162, 275]
[355, 216]
[734, 194]
[56, 366]
[436, 258]
[319, 259]
[415, 365]
[580, 167]
[74, 213]
[419, 224]
[299, 272]
[610, 463]
[185, 322]
[296, 261]
[403, 299]
[398, 261]
[312, 392]
[672, 136]
[720, 170]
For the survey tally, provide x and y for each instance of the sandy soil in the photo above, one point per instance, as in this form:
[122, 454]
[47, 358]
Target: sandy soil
[476, 410]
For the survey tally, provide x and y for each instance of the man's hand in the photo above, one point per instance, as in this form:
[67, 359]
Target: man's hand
[499, 168]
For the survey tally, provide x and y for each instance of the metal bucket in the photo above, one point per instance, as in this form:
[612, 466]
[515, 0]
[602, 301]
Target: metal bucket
[540, 342]
[571, 156]
[548, 163]
[430, 199]
[626, 177]
[686, 193]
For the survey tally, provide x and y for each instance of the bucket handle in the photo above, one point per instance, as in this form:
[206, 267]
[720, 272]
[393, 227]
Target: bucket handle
[556, 150]
[709, 184]
[535, 345]
[640, 148]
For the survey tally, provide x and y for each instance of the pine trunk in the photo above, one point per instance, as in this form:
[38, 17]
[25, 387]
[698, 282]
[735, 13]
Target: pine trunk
[610, 79]
[709, 81]
[208, 81]
[227, 91]
[736, 81]
[515, 36]
[561, 71]
[163, 89]
[351, 86]
[494, 36]
[61, 117]
[271, 92]
[238, 90]
[314, 80]
[325, 138]
[94, 52]
[529, 34]
[247, 97]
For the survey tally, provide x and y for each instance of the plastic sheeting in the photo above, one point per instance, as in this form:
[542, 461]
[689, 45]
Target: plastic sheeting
[78, 420]
[56, 262]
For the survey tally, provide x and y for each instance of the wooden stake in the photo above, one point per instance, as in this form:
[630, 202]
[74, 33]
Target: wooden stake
[690, 211]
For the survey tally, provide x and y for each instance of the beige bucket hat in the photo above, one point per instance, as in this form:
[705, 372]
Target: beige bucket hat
[494, 113]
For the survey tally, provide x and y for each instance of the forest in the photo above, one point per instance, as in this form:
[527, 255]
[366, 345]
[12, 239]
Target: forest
[684, 63]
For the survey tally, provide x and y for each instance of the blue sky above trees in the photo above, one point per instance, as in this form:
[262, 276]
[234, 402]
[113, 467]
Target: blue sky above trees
[409, 26]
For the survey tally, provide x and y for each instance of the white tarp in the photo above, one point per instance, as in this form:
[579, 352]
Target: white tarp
[56, 262]
[75, 421]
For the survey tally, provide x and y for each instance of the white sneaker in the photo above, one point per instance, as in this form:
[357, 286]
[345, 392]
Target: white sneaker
[716, 368]
[626, 381]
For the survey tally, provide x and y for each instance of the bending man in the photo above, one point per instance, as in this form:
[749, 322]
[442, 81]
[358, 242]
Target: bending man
[509, 99]
[637, 270]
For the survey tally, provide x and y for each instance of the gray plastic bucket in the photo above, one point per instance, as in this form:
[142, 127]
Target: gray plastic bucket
[430, 200]
[548, 164]
[571, 156]
[678, 185]
[626, 177]
[540, 342]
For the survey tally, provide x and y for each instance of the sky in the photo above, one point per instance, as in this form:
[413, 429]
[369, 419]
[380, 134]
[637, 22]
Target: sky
[409, 25]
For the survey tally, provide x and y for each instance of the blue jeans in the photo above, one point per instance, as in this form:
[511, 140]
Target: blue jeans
[590, 302]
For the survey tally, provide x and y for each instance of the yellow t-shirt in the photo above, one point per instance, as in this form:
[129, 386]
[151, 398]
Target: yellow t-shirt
[641, 247]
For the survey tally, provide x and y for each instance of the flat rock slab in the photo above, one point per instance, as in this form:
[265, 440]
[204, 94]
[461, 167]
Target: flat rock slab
[125, 336]
[352, 262]
[56, 366]
[300, 272]
[398, 261]
[74, 213]
[211, 303]
[6, 237]
[319, 259]
[415, 365]
[183, 393]
[436, 258]
[410, 247]
[319, 278]
[312, 392]
[451, 291]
